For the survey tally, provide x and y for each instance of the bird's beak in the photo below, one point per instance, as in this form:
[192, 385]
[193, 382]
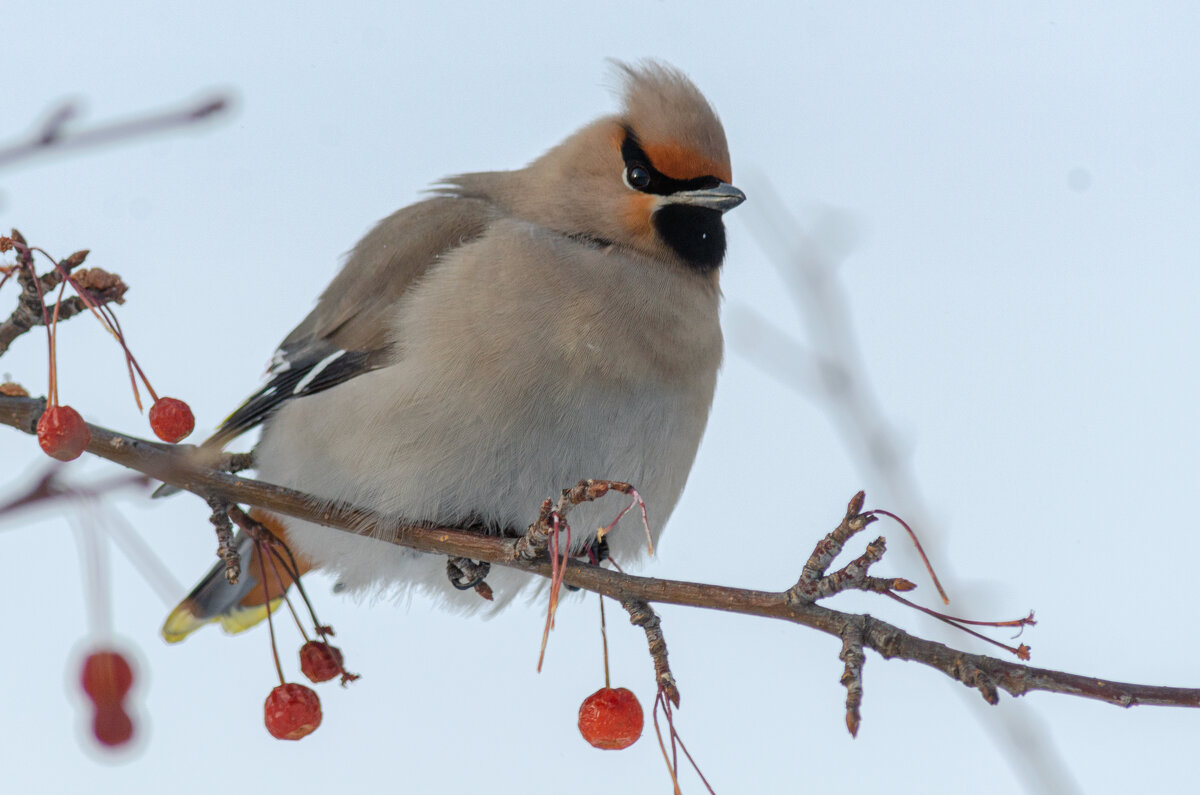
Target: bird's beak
[723, 198]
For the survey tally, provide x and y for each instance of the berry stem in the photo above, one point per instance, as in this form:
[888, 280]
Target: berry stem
[130, 361]
[293, 571]
[258, 529]
[93, 550]
[1021, 652]
[287, 599]
[27, 263]
[321, 629]
[683, 747]
[107, 318]
[263, 549]
[557, 569]
[920, 550]
[137, 398]
[67, 277]
[54, 347]
[659, 699]
[604, 642]
[83, 296]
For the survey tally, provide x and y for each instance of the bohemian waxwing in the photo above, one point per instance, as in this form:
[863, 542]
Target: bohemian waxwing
[485, 348]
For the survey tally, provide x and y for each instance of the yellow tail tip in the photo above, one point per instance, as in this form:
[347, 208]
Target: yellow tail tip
[183, 620]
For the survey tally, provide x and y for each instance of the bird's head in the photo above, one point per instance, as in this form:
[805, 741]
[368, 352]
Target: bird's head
[654, 178]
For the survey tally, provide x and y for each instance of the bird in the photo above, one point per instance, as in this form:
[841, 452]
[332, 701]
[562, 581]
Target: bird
[492, 344]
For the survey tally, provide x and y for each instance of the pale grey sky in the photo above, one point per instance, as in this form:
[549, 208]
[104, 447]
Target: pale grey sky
[1023, 183]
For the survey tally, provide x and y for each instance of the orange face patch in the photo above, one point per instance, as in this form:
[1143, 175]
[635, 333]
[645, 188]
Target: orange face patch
[680, 162]
[638, 209]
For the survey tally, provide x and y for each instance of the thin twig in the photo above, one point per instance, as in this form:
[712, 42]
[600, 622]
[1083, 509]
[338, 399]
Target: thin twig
[227, 548]
[852, 678]
[642, 615]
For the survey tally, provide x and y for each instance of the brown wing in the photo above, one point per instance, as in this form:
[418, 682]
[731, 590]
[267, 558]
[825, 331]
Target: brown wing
[346, 334]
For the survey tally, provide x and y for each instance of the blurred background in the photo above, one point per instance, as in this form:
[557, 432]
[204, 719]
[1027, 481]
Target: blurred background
[1006, 196]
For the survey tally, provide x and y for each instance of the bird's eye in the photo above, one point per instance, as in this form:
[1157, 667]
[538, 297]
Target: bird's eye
[637, 176]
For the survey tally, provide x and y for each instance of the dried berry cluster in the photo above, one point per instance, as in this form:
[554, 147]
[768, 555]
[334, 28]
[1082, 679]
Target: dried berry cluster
[61, 431]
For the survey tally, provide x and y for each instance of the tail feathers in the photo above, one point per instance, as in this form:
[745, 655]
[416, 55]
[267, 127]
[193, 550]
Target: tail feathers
[235, 607]
[188, 617]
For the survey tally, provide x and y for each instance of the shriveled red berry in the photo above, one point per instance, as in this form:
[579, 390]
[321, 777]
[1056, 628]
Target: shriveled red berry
[292, 711]
[171, 419]
[611, 718]
[111, 725]
[319, 661]
[62, 433]
[106, 677]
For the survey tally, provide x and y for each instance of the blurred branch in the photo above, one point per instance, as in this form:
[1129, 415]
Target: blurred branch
[55, 133]
[831, 368]
[989, 676]
[50, 486]
[831, 371]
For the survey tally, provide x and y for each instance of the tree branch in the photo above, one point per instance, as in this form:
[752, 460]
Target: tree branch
[96, 287]
[176, 466]
[54, 132]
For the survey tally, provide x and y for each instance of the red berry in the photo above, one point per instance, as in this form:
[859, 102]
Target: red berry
[171, 419]
[292, 711]
[319, 661]
[106, 677]
[111, 725]
[611, 718]
[62, 433]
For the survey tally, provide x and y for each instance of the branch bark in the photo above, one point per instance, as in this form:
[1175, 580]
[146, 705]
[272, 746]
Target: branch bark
[988, 675]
